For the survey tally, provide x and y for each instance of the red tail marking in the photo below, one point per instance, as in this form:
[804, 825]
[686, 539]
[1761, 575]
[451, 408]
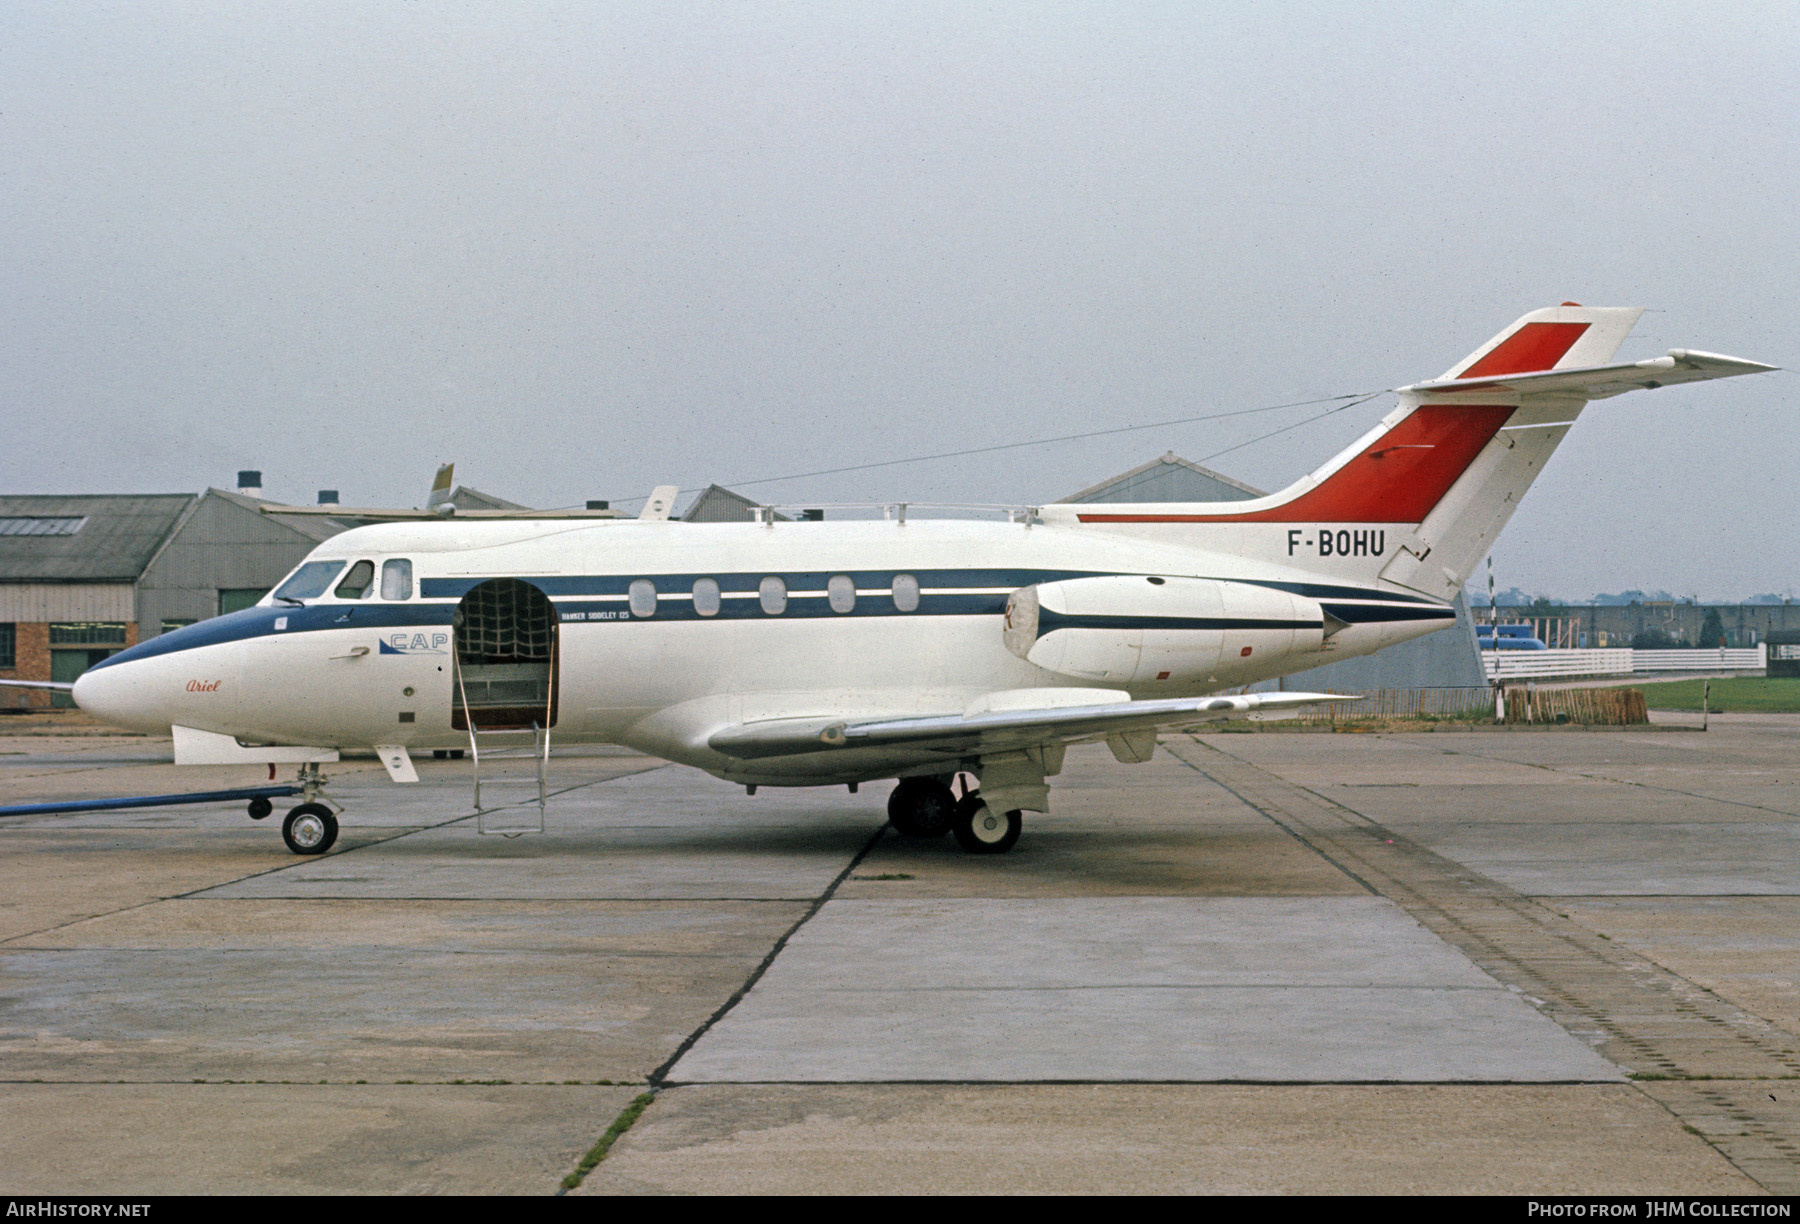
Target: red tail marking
[1398, 479]
[1534, 347]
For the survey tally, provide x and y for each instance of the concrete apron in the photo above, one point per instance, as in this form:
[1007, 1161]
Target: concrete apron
[1334, 989]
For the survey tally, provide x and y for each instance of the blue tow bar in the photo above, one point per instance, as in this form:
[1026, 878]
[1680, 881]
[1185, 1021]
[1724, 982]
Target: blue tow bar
[142, 801]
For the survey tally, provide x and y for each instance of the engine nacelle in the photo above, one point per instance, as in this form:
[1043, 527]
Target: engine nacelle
[1127, 630]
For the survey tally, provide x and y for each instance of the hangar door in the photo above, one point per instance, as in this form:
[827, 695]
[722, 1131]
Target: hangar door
[506, 657]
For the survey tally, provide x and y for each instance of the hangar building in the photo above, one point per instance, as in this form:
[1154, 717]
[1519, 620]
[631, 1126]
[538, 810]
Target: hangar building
[82, 577]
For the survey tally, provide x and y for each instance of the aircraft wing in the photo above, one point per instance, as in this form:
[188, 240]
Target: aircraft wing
[996, 730]
[55, 685]
[433, 516]
[1598, 382]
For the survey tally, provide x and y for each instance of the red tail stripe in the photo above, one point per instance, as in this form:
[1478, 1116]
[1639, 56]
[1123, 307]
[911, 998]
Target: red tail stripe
[1534, 347]
[1398, 479]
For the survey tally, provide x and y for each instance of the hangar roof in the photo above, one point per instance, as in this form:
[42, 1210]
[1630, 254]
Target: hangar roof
[312, 528]
[89, 538]
[1167, 479]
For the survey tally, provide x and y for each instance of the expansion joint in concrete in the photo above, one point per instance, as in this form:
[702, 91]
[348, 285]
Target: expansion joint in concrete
[1647, 1019]
[658, 1079]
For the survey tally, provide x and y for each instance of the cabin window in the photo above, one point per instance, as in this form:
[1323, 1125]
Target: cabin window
[706, 597]
[358, 582]
[840, 593]
[906, 593]
[396, 579]
[309, 581]
[641, 595]
[772, 592]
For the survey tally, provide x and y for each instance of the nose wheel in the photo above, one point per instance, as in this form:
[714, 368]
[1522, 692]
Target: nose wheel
[309, 829]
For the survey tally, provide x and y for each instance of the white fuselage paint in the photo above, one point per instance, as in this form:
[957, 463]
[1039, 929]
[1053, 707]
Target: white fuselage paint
[321, 675]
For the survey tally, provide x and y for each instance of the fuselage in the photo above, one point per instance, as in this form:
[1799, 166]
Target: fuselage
[726, 624]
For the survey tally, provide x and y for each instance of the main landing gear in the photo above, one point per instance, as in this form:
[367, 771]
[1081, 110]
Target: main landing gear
[922, 807]
[926, 808]
[979, 829]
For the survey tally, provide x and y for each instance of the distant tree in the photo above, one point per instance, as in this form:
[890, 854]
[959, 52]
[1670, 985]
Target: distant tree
[1712, 633]
[1544, 603]
[1655, 639]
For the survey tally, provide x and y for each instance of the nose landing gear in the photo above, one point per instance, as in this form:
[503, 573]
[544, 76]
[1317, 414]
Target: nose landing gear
[310, 828]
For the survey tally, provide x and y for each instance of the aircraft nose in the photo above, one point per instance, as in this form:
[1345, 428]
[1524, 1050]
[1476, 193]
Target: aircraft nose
[118, 694]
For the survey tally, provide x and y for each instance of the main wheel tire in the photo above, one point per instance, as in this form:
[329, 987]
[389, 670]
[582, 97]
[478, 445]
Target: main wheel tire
[260, 807]
[921, 807]
[309, 829]
[981, 830]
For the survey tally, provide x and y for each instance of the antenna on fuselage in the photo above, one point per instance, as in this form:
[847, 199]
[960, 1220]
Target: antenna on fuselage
[661, 502]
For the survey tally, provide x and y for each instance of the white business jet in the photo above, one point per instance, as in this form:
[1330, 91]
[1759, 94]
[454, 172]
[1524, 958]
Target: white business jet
[782, 653]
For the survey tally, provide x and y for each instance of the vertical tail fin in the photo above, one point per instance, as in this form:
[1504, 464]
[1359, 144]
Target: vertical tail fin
[1418, 499]
[1562, 337]
[441, 486]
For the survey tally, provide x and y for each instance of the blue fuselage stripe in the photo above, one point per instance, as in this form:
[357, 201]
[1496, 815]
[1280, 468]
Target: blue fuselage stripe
[1049, 622]
[963, 592]
[1364, 614]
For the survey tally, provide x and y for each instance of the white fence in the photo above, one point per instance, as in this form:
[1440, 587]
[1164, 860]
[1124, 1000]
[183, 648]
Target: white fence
[1523, 664]
[1752, 658]
[1532, 664]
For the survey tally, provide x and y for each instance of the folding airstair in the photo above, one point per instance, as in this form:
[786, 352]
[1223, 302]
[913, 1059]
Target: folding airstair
[511, 806]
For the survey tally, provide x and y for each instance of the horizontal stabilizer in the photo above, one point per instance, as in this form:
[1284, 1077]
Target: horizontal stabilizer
[1598, 382]
[996, 730]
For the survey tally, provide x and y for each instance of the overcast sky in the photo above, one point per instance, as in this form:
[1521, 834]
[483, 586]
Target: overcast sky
[582, 249]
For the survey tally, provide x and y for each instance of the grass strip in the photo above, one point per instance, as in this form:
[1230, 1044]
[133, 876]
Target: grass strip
[1736, 694]
[603, 1145]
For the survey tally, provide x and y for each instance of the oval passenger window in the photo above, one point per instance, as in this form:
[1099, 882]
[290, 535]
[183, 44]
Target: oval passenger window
[906, 593]
[706, 597]
[840, 592]
[641, 595]
[772, 592]
[358, 581]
